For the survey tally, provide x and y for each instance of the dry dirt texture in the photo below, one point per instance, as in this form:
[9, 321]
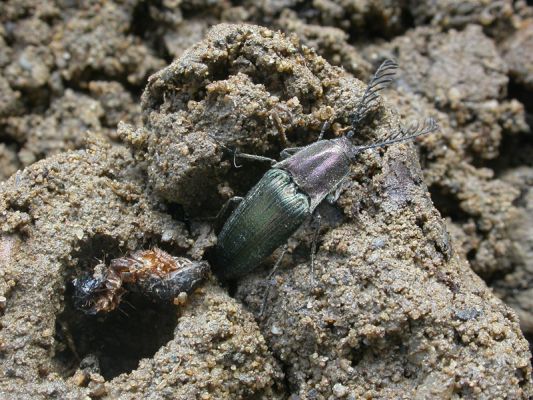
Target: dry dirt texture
[399, 306]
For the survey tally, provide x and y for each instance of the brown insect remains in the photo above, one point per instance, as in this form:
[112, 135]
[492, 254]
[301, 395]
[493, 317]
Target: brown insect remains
[153, 273]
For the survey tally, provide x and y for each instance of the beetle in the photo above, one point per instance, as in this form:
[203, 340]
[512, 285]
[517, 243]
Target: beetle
[288, 194]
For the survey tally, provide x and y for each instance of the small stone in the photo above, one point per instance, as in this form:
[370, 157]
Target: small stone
[97, 390]
[97, 377]
[79, 233]
[167, 235]
[467, 314]
[339, 390]
[455, 96]
[275, 330]
[26, 157]
[379, 242]
[80, 378]
[181, 299]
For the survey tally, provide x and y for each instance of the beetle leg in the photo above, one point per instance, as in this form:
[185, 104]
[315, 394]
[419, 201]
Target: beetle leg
[325, 127]
[237, 154]
[279, 126]
[226, 210]
[334, 196]
[251, 157]
[270, 282]
[289, 151]
[317, 220]
[69, 340]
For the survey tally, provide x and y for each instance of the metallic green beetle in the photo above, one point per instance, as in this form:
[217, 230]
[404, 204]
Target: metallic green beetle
[288, 194]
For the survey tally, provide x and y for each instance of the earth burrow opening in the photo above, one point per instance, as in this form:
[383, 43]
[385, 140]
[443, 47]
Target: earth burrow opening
[115, 342]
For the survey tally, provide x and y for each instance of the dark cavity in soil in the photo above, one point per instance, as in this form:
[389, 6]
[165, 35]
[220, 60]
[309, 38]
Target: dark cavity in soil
[120, 339]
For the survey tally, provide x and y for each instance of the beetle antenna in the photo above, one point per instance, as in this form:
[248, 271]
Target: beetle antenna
[237, 154]
[382, 78]
[413, 131]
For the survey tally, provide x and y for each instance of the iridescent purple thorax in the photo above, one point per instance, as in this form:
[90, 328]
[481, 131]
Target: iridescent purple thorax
[319, 168]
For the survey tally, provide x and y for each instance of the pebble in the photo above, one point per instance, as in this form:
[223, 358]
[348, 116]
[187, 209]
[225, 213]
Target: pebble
[339, 390]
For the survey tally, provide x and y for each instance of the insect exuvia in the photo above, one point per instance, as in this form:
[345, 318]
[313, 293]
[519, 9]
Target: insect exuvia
[154, 273]
[289, 193]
